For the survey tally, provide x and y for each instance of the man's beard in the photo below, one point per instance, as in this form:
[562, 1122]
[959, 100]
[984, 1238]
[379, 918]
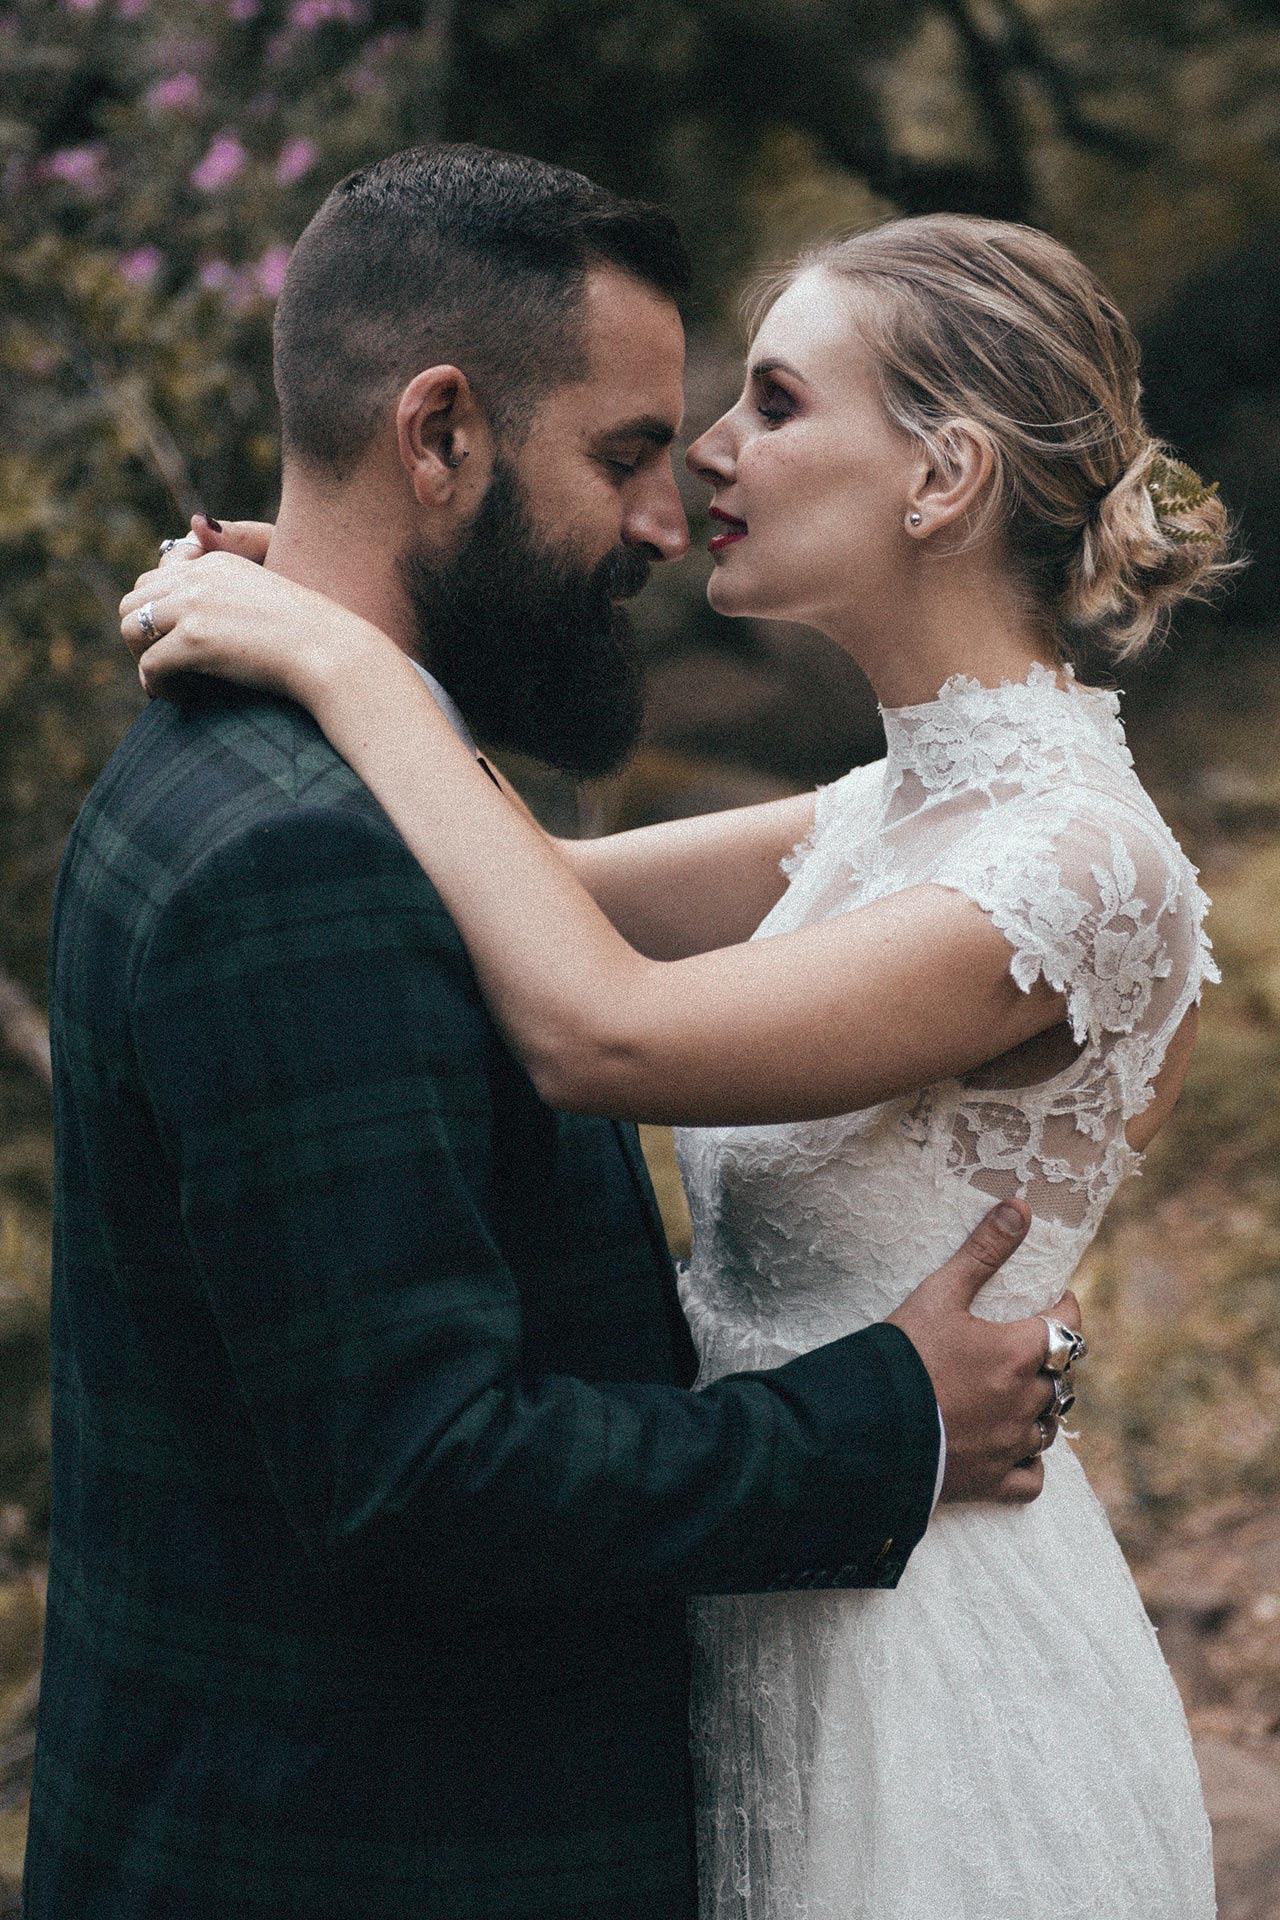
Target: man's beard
[529, 643]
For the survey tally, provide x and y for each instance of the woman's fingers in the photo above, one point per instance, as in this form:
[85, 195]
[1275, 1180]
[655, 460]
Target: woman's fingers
[248, 538]
[138, 634]
[182, 547]
[161, 660]
[156, 585]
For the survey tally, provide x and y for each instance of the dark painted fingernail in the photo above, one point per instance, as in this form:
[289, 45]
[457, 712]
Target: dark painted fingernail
[1009, 1220]
[210, 521]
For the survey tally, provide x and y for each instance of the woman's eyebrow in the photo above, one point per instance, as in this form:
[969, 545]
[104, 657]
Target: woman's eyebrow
[760, 369]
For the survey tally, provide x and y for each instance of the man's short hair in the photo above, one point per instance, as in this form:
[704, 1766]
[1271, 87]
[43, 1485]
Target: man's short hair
[449, 254]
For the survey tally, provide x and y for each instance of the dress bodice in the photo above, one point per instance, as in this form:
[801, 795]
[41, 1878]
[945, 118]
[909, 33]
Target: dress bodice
[1023, 798]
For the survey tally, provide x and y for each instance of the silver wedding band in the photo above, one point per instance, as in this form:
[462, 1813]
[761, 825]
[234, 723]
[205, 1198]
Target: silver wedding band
[147, 621]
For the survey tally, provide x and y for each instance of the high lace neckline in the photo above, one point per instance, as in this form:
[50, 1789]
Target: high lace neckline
[976, 736]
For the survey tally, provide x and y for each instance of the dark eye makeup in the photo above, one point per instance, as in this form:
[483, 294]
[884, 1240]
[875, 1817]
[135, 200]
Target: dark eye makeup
[772, 402]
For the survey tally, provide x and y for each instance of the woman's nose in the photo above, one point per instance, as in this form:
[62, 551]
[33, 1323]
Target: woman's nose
[711, 454]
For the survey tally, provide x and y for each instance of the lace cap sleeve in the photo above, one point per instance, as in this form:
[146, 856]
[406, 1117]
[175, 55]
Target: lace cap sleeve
[843, 801]
[1095, 896]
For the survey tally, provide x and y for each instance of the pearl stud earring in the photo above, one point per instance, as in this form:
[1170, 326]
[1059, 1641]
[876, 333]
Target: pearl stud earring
[916, 519]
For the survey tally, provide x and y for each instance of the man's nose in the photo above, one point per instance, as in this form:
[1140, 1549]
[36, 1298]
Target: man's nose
[658, 521]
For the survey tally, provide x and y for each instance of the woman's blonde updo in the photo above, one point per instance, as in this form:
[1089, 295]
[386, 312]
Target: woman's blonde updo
[1002, 325]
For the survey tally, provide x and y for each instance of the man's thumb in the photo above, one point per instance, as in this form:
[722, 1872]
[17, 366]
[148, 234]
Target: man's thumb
[995, 1237]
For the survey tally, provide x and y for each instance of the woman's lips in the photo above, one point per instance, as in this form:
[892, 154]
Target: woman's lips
[735, 530]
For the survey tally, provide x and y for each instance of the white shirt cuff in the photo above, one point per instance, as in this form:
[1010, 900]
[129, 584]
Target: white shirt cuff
[942, 1462]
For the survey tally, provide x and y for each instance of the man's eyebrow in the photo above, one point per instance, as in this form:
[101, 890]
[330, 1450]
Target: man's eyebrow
[646, 426]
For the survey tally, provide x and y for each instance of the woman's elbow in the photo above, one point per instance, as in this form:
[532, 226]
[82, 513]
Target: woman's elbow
[580, 1073]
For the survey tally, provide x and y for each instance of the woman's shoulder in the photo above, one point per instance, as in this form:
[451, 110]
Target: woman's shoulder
[839, 808]
[855, 793]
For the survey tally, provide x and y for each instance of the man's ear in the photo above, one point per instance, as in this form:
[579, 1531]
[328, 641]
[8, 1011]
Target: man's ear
[953, 484]
[442, 436]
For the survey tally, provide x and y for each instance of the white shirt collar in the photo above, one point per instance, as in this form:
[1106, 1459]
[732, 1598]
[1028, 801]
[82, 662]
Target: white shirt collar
[448, 706]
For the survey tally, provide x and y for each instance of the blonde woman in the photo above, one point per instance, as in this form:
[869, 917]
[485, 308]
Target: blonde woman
[974, 975]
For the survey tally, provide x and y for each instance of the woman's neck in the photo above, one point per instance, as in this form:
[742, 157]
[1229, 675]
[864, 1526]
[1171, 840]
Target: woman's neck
[975, 626]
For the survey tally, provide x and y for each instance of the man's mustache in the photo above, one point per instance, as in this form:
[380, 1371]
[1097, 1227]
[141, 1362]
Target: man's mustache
[624, 573]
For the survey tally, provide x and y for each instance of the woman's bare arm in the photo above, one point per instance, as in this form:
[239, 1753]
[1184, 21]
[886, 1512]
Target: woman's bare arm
[909, 990]
[689, 886]
[673, 889]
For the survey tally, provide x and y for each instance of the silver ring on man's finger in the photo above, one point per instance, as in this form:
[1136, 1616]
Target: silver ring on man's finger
[1064, 1397]
[147, 621]
[1047, 1431]
[1065, 1347]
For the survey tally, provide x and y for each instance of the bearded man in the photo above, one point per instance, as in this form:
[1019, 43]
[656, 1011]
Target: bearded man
[379, 1483]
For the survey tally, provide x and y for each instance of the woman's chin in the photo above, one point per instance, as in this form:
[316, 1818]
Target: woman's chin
[728, 598]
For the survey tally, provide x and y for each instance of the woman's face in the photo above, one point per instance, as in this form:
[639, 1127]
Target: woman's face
[811, 481]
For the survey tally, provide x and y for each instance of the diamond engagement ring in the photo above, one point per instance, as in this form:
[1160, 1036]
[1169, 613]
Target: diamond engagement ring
[147, 621]
[178, 540]
[1065, 1347]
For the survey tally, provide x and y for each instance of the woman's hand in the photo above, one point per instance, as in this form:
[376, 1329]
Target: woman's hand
[249, 538]
[223, 614]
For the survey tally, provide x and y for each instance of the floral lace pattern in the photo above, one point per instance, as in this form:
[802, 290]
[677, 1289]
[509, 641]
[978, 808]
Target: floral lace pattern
[871, 1754]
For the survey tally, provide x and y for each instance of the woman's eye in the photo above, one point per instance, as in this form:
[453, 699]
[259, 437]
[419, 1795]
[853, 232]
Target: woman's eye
[774, 405]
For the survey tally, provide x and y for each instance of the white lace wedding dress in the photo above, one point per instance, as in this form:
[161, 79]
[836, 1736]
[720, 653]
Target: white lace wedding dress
[999, 1738]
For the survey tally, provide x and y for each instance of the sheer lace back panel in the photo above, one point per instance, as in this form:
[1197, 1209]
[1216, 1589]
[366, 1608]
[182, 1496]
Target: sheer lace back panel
[1024, 799]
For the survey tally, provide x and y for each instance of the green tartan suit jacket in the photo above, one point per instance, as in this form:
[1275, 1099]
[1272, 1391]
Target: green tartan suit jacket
[379, 1488]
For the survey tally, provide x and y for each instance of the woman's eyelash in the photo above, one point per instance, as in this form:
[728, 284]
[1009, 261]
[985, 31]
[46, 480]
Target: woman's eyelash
[774, 405]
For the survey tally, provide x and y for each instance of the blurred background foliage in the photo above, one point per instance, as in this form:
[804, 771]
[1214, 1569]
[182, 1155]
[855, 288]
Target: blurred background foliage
[157, 159]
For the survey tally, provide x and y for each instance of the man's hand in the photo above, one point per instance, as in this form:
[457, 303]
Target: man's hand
[988, 1375]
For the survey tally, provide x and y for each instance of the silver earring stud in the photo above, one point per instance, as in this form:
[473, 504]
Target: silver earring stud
[916, 519]
[456, 459]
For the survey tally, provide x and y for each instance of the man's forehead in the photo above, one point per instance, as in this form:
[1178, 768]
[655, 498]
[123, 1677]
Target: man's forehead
[634, 343]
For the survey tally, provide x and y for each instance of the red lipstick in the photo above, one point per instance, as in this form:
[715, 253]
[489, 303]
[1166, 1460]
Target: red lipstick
[735, 530]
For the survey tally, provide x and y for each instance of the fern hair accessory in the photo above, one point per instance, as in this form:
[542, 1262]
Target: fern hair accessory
[1175, 490]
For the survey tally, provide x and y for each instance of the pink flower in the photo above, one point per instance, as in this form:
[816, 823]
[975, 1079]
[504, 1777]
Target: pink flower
[179, 90]
[239, 286]
[75, 167]
[295, 161]
[217, 276]
[318, 13]
[141, 266]
[270, 270]
[223, 161]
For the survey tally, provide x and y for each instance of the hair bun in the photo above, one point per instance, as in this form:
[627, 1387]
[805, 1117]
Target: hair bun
[1158, 536]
